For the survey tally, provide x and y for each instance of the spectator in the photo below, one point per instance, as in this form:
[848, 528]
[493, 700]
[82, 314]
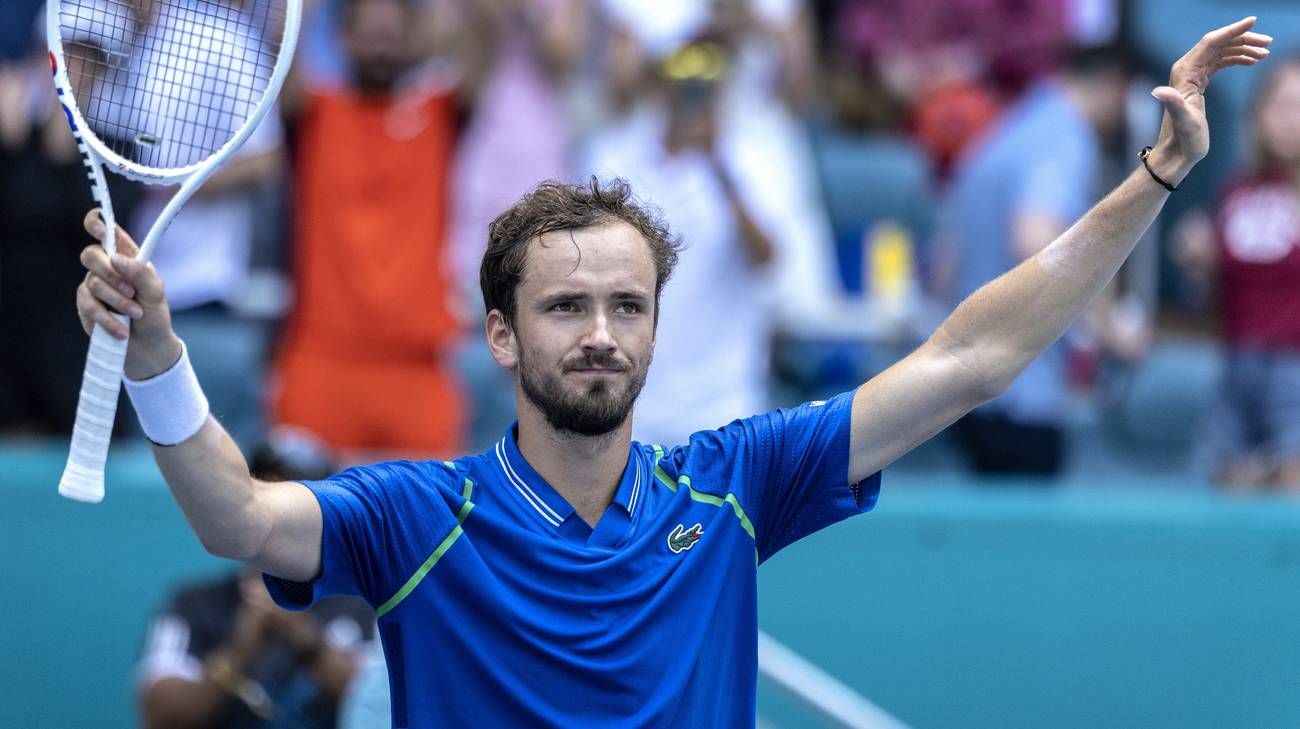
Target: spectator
[366, 361]
[42, 186]
[1008, 199]
[221, 654]
[1250, 251]
[766, 46]
[717, 316]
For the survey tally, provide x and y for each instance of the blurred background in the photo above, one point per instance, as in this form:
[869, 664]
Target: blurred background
[1114, 542]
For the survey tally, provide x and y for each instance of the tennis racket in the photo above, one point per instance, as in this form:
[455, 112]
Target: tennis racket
[162, 92]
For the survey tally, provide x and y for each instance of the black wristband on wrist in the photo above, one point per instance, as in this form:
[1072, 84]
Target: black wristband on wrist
[1143, 155]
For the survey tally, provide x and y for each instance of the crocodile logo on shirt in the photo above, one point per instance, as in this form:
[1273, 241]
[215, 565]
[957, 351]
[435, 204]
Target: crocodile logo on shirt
[682, 539]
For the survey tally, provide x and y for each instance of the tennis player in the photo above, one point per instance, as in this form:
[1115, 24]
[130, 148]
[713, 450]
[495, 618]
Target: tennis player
[572, 577]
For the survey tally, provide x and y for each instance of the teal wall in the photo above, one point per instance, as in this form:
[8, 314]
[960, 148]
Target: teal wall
[78, 584]
[948, 606]
[1016, 608]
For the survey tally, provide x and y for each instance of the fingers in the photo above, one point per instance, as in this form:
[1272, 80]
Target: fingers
[132, 277]
[1258, 53]
[1235, 61]
[141, 276]
[91, 311]
[115, 285]
[1231, 45]
[113, 298]
[1223, 36]
[1254, 39]
[98, 263]
[94, 225]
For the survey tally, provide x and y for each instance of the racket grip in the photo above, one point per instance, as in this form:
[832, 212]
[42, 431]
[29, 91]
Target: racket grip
[83, 477]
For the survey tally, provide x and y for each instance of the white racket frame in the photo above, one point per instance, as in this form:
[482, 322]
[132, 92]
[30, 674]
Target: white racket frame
[83, 476]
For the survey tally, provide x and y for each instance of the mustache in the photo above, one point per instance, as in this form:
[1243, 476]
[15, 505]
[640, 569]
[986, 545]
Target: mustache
[597, 362]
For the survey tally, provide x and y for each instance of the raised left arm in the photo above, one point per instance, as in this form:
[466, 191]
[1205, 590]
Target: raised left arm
[998, 330]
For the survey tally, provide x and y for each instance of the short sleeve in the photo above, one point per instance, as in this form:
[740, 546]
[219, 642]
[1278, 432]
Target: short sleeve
[788, 468]
[380, 523]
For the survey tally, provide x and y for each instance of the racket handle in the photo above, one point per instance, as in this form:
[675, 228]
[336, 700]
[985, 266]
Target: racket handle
[83, 477]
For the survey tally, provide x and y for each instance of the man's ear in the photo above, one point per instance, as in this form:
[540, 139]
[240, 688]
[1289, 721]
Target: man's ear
[501, 339]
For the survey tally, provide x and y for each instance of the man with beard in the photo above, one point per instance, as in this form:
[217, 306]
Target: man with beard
[570, 576]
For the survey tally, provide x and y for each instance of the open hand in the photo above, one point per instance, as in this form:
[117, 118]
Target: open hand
[1184, 134]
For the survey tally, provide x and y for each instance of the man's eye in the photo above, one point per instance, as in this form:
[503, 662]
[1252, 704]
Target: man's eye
[564, 307]
[627, 307]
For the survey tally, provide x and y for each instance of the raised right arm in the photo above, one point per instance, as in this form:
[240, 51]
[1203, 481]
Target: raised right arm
[275, 527]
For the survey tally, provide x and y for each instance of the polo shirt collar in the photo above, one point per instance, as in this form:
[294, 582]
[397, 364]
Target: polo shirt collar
[543, 500]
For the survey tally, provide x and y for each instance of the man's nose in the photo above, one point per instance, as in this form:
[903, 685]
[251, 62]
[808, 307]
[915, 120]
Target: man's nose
[598, 337]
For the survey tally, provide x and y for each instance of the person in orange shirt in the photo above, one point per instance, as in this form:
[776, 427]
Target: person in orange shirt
[366, 362]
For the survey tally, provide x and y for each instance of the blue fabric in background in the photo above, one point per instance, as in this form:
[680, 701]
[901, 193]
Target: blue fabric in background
[18, 28]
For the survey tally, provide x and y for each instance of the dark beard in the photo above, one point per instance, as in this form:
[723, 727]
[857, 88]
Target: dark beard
[377, 78]
[596, 412]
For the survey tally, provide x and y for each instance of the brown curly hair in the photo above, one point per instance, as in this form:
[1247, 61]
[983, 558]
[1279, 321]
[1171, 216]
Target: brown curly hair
[553, 206]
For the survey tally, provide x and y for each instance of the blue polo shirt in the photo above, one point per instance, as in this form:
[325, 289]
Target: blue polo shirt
[499, 606]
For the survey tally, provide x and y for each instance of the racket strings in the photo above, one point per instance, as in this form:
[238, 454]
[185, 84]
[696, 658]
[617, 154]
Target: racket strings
[166, 83]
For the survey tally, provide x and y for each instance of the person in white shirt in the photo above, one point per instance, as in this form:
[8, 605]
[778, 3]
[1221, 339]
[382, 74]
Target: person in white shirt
[711, 360]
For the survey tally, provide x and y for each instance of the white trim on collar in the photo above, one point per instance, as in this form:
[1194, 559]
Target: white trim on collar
[636, 485]
[524, 490]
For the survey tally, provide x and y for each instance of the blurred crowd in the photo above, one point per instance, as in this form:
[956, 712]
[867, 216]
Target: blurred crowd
[843, 172]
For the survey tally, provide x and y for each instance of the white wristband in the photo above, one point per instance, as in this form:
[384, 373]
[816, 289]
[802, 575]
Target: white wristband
[171, 405]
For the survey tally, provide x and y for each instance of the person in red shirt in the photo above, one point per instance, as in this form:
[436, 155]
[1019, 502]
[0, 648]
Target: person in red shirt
[1250, 254]
[366, 362]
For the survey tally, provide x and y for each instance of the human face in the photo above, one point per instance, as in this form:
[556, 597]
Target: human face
[583, 333]
[1279, 117]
